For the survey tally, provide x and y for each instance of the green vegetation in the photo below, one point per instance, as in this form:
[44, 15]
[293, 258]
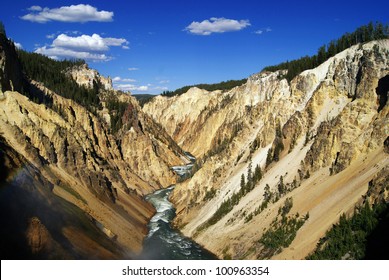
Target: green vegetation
[116, 112]
[273, 154]
[52, 74]
[224, 86]
[210, 194]
[2, 29]
[348, 238]
[143, 98]
[228, 205]
[362, 34]
[281, 232]
[272, 197]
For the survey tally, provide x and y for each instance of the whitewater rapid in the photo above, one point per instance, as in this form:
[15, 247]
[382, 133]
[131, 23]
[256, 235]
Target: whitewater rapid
[164, 242]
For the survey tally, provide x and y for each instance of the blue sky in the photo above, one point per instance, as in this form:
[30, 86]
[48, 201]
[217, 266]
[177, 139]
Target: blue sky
[151, 46]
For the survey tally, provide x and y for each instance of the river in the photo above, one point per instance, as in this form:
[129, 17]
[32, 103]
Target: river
[163, 241]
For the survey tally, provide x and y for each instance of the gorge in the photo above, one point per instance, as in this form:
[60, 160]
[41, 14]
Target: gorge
[272, 164]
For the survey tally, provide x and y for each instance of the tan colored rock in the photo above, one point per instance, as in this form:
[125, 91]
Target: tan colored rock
[333, 135]
[89, 77]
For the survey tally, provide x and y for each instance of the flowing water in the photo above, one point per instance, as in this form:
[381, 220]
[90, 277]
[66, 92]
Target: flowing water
[164, 242]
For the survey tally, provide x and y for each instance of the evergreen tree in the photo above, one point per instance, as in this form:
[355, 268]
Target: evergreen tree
[269, 157]
[2, 29]
[257, 174]
[362, 34]
[267, 194]
[281, 186]
[250, 174]
[242, 182]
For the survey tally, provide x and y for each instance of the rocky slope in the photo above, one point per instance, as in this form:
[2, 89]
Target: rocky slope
[79, 158]
[89, 77]
[319, 140]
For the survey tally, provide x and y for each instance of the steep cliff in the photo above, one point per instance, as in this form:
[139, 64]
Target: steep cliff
[75, 152]
[318, 141]
[89, 77]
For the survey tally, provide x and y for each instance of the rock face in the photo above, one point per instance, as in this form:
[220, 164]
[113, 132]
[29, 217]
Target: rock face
[11, 77]
[74, 150]
[318, 140]
[89, 77]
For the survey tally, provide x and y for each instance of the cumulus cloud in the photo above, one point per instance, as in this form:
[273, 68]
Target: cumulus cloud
[125, 80]
[35, 8]
[81, 43]
[61, 53]
[82, 47]
[216, 25]
[73, 13]
[131, 87]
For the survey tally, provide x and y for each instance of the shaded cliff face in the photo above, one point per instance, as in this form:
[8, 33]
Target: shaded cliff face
[38, 224]
[318, 141]
[102, 174]
[10, 68]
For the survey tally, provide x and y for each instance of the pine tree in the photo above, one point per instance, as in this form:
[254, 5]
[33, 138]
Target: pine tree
[269, 157]
[249, 176]
[281, 186]
[267, 194]
[242, 182]
[2, 29]
[257, 174]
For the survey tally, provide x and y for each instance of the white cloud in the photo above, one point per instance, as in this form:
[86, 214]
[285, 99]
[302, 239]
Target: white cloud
[81, 43]
[18, 46]
[262, 30]
[161, 88]
[216, 25]
[143, 88]
[125, 80]
[133, 69]
[60, 53]
[82, 47]
[50, 36]
[164, 81]
[35, 8]
[73, 13]
[116, 42]
[131, 87]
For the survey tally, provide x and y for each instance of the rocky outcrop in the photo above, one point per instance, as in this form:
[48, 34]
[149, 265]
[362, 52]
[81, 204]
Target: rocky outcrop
[105, 175]
[89, 78]
[318, 140]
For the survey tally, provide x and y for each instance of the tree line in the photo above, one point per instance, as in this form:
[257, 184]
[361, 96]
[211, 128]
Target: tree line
[52, 73]
[247, 184]
[224, 86]
[363, 34]
[349, 237]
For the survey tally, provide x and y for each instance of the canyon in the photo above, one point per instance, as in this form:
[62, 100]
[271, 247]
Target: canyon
[318, 140]
[306, 151]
